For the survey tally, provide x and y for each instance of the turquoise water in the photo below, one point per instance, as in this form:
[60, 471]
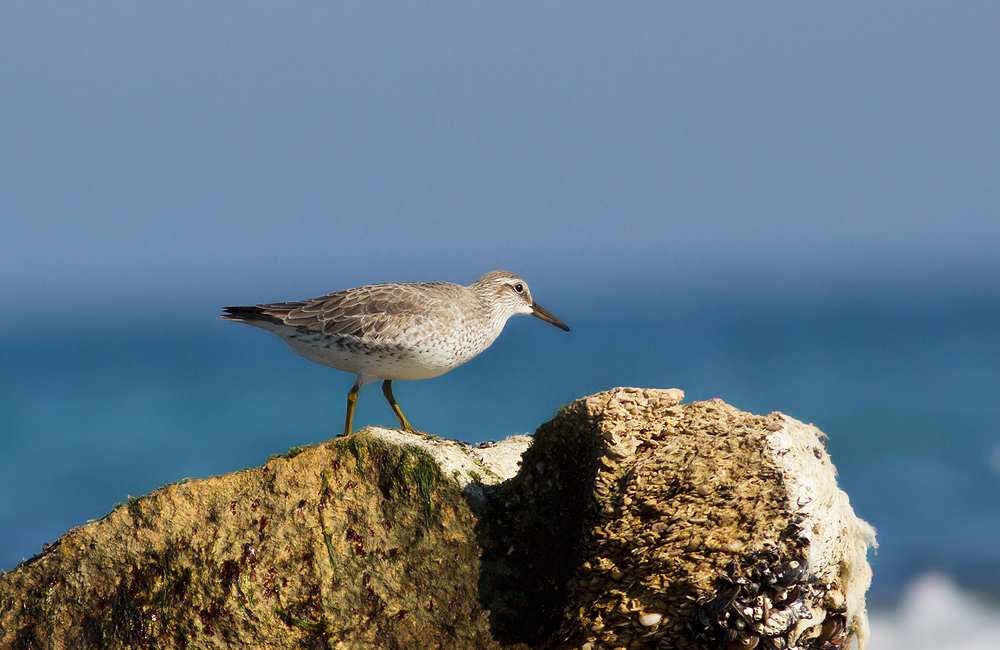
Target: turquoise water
[909, 396]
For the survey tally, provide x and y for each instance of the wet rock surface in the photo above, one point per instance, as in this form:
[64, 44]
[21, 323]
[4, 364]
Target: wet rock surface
[633, 522]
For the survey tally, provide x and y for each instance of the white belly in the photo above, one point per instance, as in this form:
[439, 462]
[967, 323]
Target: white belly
[385, 361]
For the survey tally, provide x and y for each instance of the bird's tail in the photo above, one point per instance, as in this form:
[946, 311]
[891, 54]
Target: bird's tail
[250, 314]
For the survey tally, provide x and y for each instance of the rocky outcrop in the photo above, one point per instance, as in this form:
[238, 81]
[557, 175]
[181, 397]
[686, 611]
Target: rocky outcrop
[695, 526]
[632, 522]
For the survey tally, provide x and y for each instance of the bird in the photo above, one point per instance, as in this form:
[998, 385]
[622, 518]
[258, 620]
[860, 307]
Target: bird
[397, 330]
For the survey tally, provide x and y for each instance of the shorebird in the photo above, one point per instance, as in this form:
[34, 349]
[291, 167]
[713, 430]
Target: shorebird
[400, 330]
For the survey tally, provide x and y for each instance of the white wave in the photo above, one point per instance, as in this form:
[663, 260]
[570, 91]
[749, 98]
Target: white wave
[936, 614]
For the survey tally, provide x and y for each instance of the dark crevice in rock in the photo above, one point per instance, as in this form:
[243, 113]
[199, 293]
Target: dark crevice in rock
[531, 530]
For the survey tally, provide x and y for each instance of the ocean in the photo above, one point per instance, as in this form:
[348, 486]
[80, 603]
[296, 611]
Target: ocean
[908, 393]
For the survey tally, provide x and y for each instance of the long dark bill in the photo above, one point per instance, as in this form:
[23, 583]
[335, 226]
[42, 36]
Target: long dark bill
[536, 310]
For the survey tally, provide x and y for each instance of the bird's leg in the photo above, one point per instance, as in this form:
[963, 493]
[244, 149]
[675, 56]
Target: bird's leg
[352, 398]
[387, 391]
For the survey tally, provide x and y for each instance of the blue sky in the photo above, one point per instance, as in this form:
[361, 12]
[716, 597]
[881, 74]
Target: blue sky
[195, 154]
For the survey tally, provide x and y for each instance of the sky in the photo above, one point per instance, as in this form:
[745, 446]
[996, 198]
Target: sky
[175, 157]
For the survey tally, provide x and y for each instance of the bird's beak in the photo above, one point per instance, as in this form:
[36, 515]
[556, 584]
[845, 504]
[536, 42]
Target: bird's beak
[536, 310]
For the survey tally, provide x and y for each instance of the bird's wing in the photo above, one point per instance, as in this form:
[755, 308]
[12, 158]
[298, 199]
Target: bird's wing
[378, 312]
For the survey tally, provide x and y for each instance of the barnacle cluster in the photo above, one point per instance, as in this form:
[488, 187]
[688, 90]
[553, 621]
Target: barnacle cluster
[764, 602]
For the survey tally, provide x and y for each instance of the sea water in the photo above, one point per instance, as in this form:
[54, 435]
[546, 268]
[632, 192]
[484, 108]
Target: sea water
[909, 396]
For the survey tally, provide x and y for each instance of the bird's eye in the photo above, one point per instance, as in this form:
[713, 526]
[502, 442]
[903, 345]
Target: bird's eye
[519, 287]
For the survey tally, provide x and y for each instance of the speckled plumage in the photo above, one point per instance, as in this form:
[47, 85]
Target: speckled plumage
[404, 330]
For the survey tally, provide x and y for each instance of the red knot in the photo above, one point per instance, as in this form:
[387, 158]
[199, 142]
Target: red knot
[400, 330]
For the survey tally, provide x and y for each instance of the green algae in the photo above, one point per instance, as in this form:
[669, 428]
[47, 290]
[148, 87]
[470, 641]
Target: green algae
[400, 468]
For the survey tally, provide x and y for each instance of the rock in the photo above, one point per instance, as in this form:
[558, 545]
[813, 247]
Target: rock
[362, 542]
[728, 523]
[633, 522]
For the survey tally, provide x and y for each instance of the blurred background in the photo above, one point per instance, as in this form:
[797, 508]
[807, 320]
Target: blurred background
[791, 206]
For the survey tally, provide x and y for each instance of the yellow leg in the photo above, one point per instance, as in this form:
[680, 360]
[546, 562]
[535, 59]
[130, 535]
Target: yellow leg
[387, 391]
[352, 398]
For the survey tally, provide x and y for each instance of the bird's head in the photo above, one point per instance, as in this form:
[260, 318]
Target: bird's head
[508, 294]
